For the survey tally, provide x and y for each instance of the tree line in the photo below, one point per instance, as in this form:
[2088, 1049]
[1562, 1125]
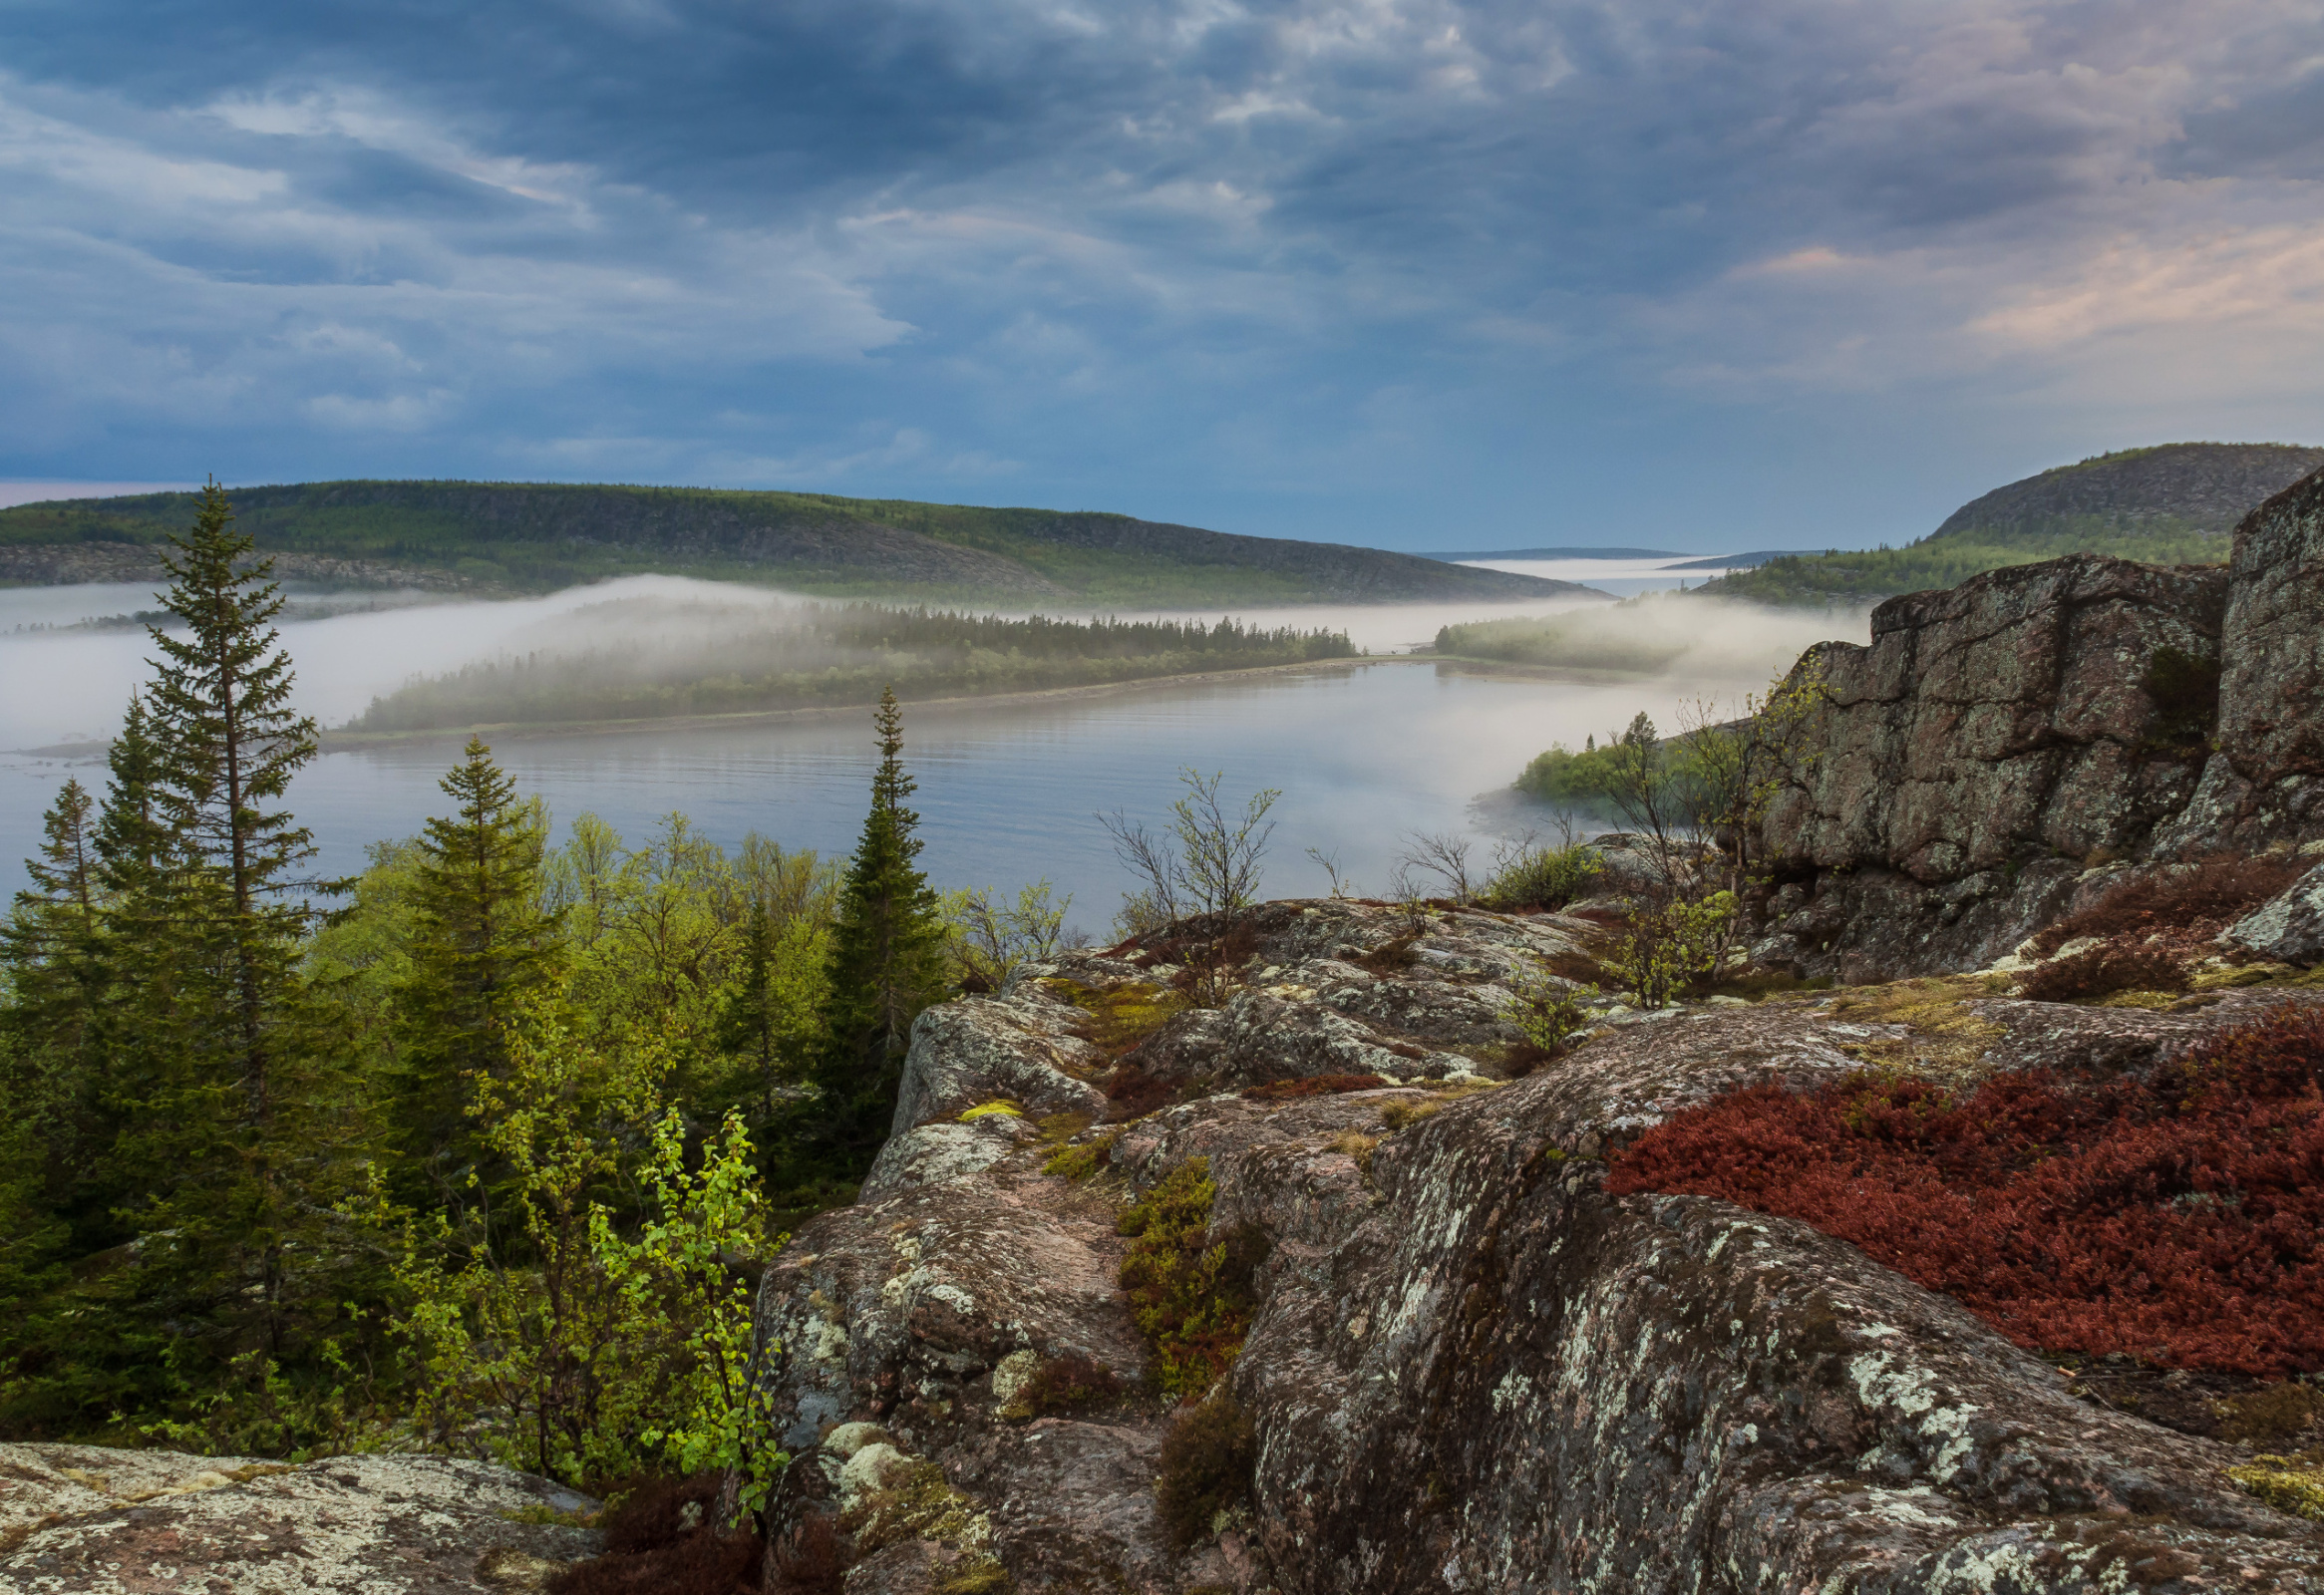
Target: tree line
[482, 1140]
[837, 654]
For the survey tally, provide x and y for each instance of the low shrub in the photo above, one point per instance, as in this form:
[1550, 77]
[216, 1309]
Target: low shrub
[661, 1539]
[2170, 1218]
[1064, 1384]
[1285, 1090]
[1666, 947]
[1544, 879]
[2184, 906]
[1546, 1010]
[1082, 1161]
[2104, 970]
[1191, 1298]
[2279, 1415]
[809, 1558]
[1134, 1093]
[1207, 1459]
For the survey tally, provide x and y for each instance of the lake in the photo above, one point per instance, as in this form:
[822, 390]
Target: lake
[1009, 791]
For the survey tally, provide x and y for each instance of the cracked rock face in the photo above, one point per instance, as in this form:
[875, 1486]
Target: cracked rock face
[85, 1520]
[1996, 743]
[1470, 1369]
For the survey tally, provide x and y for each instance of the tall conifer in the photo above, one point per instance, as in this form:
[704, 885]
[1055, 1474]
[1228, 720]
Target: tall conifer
[480, 941]
[229, 1130]
[886, 962]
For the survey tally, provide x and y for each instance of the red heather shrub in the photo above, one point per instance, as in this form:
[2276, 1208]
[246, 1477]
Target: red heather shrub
[1284, 1091]
[2104, 970]
[2177, 1218]
[2186, 906]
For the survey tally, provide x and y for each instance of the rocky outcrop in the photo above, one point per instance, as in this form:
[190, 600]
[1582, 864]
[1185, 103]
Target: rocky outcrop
[2290, 930]
[87, 1521]
[1999, 745]
[1469, 1366]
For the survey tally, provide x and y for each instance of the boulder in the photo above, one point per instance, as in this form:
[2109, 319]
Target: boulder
[2289, 929]
[88, 1521]
[1469, 1367]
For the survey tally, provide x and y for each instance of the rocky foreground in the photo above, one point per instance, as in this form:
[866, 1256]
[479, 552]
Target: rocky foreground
[1468, 1366]
[88, 1520]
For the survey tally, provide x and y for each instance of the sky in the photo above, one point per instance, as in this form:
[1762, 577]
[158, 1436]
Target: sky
[1412, 273]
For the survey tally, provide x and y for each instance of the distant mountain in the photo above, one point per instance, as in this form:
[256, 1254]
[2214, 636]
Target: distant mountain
[1564, 553]
[2175, 503]
[504, 537]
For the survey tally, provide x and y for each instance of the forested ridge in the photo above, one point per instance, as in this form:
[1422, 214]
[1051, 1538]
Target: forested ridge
[833, 654]
[2170, 505]
[487, 1143]
[535, 536]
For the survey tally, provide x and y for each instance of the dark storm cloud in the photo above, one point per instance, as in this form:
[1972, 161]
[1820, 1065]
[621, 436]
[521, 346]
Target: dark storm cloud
[1245, 262]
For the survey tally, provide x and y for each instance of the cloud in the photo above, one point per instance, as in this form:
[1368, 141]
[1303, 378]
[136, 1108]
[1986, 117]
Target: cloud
[1293, 265]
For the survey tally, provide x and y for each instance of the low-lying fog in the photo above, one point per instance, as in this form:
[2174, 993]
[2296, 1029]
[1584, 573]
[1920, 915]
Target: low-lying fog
[1008, 790]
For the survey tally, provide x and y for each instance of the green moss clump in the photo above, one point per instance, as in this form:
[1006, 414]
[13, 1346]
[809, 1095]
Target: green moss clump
[1121, 1018]
[2287, 1484]
[987, 1109]
[1089, 1158]
[917, 1504]
[1192, 1300]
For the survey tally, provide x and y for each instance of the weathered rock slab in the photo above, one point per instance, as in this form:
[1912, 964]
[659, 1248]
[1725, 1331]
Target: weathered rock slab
[85, 1520]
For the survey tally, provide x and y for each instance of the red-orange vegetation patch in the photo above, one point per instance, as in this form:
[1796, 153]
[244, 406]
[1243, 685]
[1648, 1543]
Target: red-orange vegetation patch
[2183, 907]
[1285, 1090]
[663, 1539]
[2177, 1219]
[2104, 970]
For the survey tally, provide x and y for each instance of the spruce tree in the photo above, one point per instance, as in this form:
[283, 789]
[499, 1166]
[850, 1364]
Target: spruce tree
[480, 942]
[50, 942]
[886, 963]
[230, 1130]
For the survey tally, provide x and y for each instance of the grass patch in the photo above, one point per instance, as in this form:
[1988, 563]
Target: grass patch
[1124, 1016]
[1357, 1146]
[2166, 1218]
[1947, 1040]
[1396, 1116]
[1191, 1298]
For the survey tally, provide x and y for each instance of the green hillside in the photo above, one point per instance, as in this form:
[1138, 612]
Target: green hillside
[2176, 503]
[490, 536]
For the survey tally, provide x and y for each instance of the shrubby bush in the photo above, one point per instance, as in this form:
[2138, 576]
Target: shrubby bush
[2170, 1218]
[1544, 877]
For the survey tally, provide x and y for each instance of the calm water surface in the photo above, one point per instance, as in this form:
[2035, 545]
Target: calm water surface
[1009, 791]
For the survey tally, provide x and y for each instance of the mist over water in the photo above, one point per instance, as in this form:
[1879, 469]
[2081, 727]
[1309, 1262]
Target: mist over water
[1009, 791]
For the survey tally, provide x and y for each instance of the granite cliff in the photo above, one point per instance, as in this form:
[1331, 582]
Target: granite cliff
[2003, 751]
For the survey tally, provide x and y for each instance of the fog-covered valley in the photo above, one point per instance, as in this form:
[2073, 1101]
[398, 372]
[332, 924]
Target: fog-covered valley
[1363, 752]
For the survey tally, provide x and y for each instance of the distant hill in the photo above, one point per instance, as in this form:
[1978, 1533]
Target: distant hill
[497, 537]
[2176, 503]
[1743, 561]
[1562, 553]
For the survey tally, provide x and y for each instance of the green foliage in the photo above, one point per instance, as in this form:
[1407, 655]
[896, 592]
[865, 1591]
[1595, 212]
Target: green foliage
[2184, 689]
[478, 946]
[1191, 1298]
[1543, 877]
[1953, 558]
[886, 963]
[1578, 641]
[562, 1347]
[987, 937]
[833, 655]
[1668, 945]
[1547, 1010]
[1583, 782]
